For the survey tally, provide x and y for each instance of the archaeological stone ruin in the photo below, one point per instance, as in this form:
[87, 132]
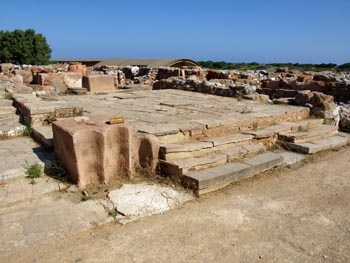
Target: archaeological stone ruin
[201, 128]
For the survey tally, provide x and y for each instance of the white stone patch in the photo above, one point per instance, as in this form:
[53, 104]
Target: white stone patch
[138, 200]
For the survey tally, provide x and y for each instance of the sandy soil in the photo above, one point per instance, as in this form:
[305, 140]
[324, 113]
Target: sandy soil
[298, 214]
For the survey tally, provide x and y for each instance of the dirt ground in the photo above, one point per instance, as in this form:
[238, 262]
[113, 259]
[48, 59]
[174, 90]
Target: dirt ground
[297, 214]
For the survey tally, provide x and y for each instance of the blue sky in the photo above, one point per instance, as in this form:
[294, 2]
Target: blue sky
[235, 31]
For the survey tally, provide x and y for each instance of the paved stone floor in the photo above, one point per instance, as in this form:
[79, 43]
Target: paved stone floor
[18, 153]
[168, 111]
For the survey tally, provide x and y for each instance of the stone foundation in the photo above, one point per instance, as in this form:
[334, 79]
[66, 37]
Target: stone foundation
[35, 111]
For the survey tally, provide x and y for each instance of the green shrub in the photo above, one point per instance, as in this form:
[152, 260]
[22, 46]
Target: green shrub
[33, 171]
[8, 96]
[57, 171]
[27, 131]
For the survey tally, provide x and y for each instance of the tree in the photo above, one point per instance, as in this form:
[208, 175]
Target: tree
[345, 66]
[24, 47]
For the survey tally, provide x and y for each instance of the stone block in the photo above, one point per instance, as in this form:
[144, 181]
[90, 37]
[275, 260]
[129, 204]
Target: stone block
[77, 67]
[6, 67]
[98, 83]
[263, 162]
[145, 151]
[61, 81]
[308, 133]
[218, 177]
[93, 151]
[72, 79]
[315, 146]
[229, 139]
[26, 75]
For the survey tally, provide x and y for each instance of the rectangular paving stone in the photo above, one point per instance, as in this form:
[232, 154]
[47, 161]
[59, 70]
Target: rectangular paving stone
[185, 147]
[264, 161]
[218, 177]
[304, 135]
[242, 150]
[229, 139]
[178, 167]
[315, 146]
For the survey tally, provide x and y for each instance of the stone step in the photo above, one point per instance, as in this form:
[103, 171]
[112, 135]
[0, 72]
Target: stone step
[175, 151]
[229, 139]
[179, 167]
[218, 177]
[5, 102]
[176, 168]
[21, 152]
[308, 123]
[317, 145]
[10, 127]
[6, 111]
[284, 127]
[76, 91]
[43, 135]
[308, 134]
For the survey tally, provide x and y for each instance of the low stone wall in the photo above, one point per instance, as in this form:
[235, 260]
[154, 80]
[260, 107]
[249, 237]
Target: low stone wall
[35, 111]
[93, 151]
[61, 81]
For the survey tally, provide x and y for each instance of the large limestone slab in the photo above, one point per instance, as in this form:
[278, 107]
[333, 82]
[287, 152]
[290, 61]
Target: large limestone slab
[42, 220]
[139, 200]
[218, 177]
[185, 147]
[264, 161]
[22, 189]
[315, 146]
[290, 158]
[229, 139]
[243, 150]
[21, 152]
[11, 127]
[307, 134]
[179, 167]
[6, 111]
[37, 111]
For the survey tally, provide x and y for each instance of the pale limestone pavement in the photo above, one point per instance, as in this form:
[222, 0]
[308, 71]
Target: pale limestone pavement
[45, 218]
[9, 121]
[39, 212]
[172, 111]
[18, 153]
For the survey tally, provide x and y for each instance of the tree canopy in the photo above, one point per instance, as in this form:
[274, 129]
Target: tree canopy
[24, 47]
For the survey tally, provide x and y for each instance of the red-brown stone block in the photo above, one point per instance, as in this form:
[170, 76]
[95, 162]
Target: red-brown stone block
[98, 83]
[93, 151]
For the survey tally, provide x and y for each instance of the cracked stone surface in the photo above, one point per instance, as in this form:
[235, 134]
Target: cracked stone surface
[21, 152]
[138, 200]
[46, 218]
